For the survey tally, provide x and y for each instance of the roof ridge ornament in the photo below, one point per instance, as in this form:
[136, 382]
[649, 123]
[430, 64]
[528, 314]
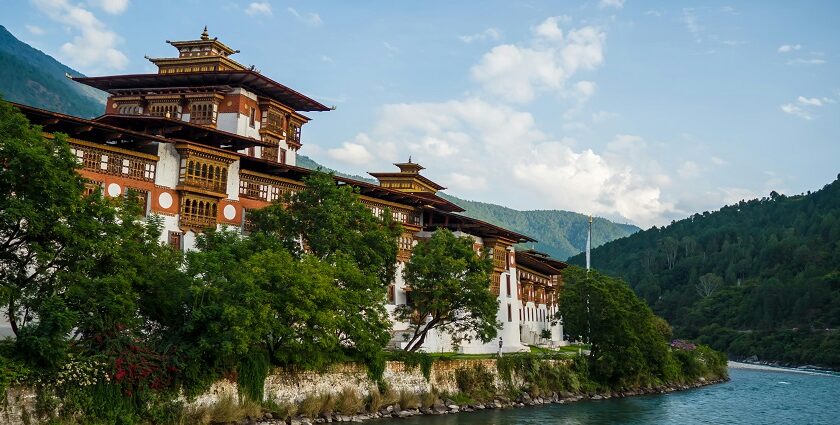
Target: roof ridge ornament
[204, 34]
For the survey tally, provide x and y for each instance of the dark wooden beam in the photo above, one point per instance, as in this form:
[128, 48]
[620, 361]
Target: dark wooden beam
[82, 129]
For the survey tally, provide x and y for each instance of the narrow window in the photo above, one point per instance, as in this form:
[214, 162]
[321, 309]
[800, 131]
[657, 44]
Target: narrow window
[391, 295]
[508, 286]
[510, 313]
[175, 240]
[252, 117]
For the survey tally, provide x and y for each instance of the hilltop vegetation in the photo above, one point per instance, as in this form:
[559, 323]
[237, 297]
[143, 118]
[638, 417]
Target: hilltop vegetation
[31, 77]
[561, 234]
[758, 278]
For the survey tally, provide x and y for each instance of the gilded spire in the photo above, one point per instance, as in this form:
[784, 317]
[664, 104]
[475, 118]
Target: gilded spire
[204, 34]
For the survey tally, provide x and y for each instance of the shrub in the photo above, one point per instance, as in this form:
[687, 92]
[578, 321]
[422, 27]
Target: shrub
[375, 399]
[311, 405]
[409, 400]
[476, 381]
[428, 398]
[348, 401]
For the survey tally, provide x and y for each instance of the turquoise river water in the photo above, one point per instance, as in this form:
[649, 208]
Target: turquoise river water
[751, 397]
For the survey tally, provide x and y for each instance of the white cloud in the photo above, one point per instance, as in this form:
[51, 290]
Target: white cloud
[114, 7]
[460, 181]
[802, 61]
[516, 73]
[626, 142]
[585, 89]
[602, 116]
[352, 152]
[618, 4]
[390, 47]
[94, 46]
[480, 138]
[804, 106]
[259, 8]
[653, 13]
[811, 101]
[327, 59]
[689, 19]
[717, 161]
[35, 30]
[311, 19]
[787, 48]
[792, 109]
[491, 34]
[689, 169]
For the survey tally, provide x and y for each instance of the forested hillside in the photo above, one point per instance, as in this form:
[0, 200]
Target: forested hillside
[561, 234]
[29, 76]
[759, 278]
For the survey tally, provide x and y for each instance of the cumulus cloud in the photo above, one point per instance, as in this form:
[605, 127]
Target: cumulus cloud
[618, 4]
[790, 108]
[114, 7]
[517, 73]
[804, 106]
[494, 147]
[311, 19]
[787, 48]
[352, 152]
[259, 8]
[812, 101]
[490, 34]
[94, 45]
[806, 61]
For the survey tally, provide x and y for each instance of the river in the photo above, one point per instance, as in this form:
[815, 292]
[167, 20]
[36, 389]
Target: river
[753, 396]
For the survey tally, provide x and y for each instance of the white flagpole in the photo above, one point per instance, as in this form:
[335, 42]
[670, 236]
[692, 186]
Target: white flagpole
[589, 245]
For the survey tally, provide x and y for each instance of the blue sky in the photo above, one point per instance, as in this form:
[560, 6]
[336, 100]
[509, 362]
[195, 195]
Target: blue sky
[638, 111]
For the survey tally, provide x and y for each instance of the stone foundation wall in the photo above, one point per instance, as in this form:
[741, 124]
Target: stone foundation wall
[283, 386]
[290, 387]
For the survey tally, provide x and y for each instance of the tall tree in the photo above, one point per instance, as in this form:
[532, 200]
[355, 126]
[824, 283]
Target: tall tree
[449, 291]
[627, 341]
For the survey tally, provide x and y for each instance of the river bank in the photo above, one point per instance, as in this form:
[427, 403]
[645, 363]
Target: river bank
[772, 367]
[449, 407]
[751, 397]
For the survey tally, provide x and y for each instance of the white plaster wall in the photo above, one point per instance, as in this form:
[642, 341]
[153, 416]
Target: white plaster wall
[233, 181]
[228, 121]
[168, 168]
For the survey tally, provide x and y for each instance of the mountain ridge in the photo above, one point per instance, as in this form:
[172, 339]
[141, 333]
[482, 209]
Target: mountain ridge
[31, 77]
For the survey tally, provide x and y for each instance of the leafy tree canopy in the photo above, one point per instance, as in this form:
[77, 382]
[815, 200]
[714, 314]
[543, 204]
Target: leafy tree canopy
[449, 290]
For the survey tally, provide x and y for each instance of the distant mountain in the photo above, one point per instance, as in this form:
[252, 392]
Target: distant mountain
[759, 278]
[29, 76]
[561, 234]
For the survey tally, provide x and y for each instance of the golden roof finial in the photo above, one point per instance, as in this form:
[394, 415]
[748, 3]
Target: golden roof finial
[590, 218]
[204, 34]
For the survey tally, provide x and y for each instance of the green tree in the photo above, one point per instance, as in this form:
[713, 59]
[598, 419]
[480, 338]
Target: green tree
[449, 291]
[41, 209]
[328, 221]
[627, 341]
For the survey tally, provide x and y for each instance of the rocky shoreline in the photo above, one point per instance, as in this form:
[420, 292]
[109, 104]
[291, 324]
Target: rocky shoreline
[448, 407]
